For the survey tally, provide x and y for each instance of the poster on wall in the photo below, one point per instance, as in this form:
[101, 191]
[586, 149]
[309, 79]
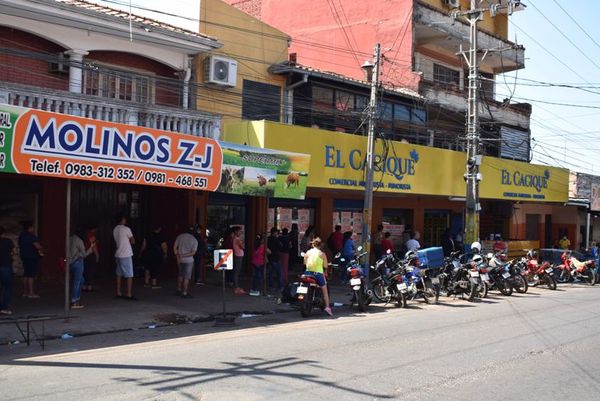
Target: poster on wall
[336, 220]
[303, 219]
[357, 222]
[284, 218]
[41, 143]
[346, 218]
[270, 218]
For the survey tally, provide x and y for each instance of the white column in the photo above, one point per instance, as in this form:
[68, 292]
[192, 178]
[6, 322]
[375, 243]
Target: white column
[75, 71]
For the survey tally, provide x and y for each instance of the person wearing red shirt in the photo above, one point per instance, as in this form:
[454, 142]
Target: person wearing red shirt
[386, 243]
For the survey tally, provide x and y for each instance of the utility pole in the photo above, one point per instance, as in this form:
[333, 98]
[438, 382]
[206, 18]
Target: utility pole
[472, 175]
[368, 201]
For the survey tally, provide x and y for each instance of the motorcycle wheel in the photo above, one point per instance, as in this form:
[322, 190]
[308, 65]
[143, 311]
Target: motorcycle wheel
[470, 292]
[550, 282]
[431, 295]
[521, 284]
[531, 281]
[482, 290]
[307, 303]
[505, 288]
[381, 293]
[590, 276]
[360, 300]
[564, 276]
[401, 300]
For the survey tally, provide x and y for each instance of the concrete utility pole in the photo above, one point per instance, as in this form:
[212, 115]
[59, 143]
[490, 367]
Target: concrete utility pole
[472, 175]
[368, 202]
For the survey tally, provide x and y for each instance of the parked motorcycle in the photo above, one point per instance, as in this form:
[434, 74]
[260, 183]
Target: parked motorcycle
[417, 280]
[498, 274]
[455, 279]
[573, 269]
[361, 295]
[517, 279]
[536, 273]
[388, 284]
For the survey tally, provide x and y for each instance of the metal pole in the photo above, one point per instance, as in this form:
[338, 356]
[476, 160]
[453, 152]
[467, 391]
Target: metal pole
[67, 238]
[472, 206]
[368, 201]
[587, 230]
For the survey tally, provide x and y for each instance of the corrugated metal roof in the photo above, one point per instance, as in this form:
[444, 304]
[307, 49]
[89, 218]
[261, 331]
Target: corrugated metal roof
[286, 67]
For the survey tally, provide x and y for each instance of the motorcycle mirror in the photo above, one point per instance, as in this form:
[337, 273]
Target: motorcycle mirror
[360, 248]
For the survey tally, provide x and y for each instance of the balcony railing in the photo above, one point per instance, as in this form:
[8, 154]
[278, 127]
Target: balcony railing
[152, 116]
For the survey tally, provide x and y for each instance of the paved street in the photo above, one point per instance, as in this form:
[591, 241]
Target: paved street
[539, 346]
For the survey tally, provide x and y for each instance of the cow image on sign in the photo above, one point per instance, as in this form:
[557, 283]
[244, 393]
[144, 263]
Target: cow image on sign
[223, 259]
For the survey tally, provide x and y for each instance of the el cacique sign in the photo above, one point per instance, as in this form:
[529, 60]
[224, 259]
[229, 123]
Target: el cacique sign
[36, 142]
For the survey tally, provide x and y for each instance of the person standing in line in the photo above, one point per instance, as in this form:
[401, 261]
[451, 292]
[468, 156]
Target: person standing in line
[448, 244]
[228, 244]
[413, 243]
[387, 244]
[124, 257]
[564, 242]
[185, 248]
[7, 251]
[377, 240]
[305, 243]
[294, 244]
[154, 254]
[274, 246]
[77, 254]
[258, 263]
[348, 254]
[284, 256]
[335, 242]
[238, 259]
[90, 263]
[199, 268]
[30, 251]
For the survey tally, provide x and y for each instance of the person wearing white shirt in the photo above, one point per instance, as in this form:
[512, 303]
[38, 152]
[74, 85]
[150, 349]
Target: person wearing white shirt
[413, 243]
[124, 256]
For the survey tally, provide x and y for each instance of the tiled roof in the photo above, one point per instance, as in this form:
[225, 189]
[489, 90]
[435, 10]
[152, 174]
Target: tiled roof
[286, 67]
[124, 16]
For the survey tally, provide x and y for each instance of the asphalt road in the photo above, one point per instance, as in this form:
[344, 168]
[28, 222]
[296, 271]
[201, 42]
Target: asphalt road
[543, 345]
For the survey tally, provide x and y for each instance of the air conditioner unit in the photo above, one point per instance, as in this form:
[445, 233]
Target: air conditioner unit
[220, 71]
[453, 3]
[60, 66]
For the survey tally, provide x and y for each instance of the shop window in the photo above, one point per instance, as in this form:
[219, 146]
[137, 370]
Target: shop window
[322, 98]
[344, 101]
[401, 113]
[260, 101]
[445, 75]
[399, 223]
[115, 84]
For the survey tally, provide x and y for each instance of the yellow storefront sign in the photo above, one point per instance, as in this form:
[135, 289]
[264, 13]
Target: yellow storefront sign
[507, 179]
[337, 162]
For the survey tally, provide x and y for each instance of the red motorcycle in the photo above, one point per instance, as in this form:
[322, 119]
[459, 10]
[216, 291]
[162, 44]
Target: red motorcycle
[535, 272]
[572, 269]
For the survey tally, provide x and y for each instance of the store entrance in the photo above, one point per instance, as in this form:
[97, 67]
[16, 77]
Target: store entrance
[224, 212]
[436, 222]
[399, 223]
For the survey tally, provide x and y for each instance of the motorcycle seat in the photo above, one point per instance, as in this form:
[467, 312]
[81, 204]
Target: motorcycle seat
[577, 264]
[307, 278]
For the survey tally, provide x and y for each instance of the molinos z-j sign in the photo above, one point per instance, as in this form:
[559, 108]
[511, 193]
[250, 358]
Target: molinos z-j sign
[48, 144]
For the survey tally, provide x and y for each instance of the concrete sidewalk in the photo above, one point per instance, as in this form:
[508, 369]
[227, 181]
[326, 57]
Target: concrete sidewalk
[104, 313]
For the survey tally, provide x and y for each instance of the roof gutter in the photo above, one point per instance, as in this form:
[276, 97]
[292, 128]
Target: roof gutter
[289, 99]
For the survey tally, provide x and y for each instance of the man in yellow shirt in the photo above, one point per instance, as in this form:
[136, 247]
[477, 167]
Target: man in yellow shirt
[564, 243]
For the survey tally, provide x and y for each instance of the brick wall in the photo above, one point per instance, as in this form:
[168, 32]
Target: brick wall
[250, 7]
[29, 70]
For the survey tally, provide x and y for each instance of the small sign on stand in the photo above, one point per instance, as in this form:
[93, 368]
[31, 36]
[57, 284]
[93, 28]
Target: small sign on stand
[223, 259]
